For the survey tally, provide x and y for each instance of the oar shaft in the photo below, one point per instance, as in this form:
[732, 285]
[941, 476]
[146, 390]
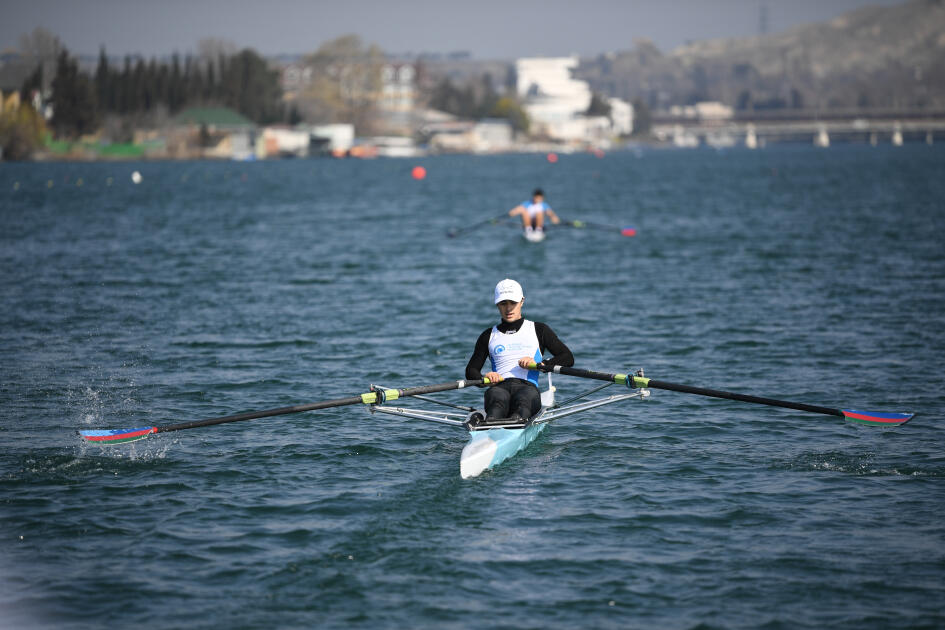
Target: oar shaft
[715, 393]
[367, 398]
[639, 381]
[252, 415]
[474, 226]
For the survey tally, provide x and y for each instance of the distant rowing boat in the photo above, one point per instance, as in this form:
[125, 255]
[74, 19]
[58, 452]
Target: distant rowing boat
[539, 235]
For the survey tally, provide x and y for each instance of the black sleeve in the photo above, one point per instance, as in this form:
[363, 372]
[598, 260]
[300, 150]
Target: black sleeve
[479, 356]
[548, 341]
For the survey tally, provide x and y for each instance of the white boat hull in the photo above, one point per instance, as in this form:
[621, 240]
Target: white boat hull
[489, 448]
[534, 236]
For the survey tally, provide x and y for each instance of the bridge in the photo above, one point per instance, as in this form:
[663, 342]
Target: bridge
[821, 128]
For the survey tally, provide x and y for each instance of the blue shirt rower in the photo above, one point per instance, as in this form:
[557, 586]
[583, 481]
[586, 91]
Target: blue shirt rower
[533, 212]
[511, 345]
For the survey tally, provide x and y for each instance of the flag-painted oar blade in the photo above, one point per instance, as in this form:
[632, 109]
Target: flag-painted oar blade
[881, 418]
[117, 436]
[628, 231]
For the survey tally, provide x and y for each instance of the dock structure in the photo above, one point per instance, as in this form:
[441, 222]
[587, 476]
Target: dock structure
[754, 129]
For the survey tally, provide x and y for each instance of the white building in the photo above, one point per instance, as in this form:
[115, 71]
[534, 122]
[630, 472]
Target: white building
[492, 135]
[553, 99]
[621, 116]
[556, 102]
[336, 139]
[279, 141]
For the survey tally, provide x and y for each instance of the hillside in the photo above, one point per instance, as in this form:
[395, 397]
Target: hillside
[874, 57]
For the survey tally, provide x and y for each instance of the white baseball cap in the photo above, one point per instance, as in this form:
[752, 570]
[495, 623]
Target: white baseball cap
[508, 290]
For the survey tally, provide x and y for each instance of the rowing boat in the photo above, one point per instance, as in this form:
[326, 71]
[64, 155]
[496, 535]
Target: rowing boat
[494, 441]
[533, 236]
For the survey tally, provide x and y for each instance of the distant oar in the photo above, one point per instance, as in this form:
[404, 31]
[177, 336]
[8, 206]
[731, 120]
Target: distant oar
[881, 418]
[117, 436]
[626, 230]
[475, 226]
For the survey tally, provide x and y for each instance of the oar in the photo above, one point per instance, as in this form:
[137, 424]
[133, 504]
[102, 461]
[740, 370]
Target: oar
[881, 418]
[376, 396]
[474, 226]
[626, 230]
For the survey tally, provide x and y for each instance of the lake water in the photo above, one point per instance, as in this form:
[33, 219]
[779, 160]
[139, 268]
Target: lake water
[211, 288]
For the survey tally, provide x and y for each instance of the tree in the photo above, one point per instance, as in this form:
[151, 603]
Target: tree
[21, 132]
[642, 119]
[346, 82]
[598, 106]
[102, 80]
[73, 99]
[251, 88]
[41, 48]
[511, 110]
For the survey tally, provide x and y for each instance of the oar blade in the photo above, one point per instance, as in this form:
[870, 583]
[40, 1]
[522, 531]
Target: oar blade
[628, 231]
[877, 418]
[117, 436]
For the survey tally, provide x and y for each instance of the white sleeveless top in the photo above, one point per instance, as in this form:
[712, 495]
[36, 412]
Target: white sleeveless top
[534, 208]
[505, 349]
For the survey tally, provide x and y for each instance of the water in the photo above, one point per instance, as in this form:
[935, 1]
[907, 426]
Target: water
[213, 288]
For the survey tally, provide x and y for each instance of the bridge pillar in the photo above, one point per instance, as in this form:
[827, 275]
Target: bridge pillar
[897, 135]
[928, 137]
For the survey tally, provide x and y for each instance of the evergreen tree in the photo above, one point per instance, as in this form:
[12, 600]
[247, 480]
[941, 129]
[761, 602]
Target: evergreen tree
[73, 99]
[102, 81]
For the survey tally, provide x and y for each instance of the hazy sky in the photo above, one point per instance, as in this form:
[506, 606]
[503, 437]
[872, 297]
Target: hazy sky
[486, 28]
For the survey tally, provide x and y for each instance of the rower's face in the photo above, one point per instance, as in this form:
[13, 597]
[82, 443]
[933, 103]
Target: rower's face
[510, 311]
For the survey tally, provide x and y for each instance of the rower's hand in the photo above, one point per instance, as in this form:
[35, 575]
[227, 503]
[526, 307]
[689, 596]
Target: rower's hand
[555, 220]
[494, 377]
[529, 364]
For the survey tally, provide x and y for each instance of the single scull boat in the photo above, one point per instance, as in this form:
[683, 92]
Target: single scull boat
[492, 442]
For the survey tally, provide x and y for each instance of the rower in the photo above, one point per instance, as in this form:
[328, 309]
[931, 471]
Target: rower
[533, 212]
[511, 346]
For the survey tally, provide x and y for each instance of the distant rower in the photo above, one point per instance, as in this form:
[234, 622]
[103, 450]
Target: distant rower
[533, 212]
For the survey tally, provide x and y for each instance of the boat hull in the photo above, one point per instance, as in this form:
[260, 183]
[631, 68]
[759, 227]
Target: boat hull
[489, 448]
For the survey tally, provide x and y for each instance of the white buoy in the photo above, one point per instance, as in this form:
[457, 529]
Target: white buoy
[136, 177]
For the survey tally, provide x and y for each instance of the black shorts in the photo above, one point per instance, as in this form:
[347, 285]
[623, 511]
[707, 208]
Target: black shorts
[513, 395]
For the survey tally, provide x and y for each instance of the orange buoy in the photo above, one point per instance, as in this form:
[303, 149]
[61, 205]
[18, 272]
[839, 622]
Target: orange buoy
[419, 172]
[552, 157]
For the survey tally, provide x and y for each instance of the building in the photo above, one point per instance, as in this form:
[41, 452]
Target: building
[398, 96]
[212, 132]
[621, 116]
[553, 99]
[556, 103]
[283, 141]
[335, 139]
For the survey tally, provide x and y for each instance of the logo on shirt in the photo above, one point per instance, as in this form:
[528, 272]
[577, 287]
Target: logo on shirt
[499, 349]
